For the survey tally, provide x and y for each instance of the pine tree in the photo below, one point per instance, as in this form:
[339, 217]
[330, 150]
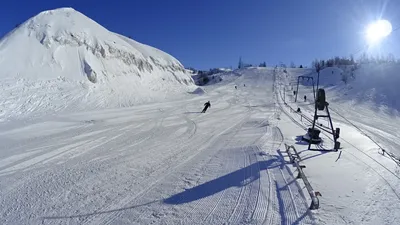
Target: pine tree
[240, 63]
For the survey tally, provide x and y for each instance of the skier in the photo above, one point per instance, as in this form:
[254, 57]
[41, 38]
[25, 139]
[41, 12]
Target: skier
[244, 85]
[206, 105]
[235, 87]
[305, 98]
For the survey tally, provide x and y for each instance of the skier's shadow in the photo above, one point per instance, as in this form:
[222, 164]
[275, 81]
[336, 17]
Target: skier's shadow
[237, 178]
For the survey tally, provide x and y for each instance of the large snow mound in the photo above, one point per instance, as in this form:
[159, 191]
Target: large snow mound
[61, 59]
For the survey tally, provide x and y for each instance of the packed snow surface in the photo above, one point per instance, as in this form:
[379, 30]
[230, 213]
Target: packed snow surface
[167, 163]
[62, 60]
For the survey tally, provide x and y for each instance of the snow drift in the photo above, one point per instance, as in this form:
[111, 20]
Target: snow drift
[62, 59]
[198, 91]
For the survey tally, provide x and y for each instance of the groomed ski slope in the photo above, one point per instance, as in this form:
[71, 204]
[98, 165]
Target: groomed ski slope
[166, 163]
[160, 163]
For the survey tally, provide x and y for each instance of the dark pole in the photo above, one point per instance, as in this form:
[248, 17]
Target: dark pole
[333, 130]
[318, 67]
[297, 90]
[313, 88]
[313, 126]
[284, 94]
[273, 82]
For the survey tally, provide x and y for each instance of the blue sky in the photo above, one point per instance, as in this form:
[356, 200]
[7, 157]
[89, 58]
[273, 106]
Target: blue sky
[215, 33]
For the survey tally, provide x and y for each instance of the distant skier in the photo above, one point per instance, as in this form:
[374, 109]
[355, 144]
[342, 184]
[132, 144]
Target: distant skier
[235, 87]
[244, 85]
[305, 98]
[206, 105]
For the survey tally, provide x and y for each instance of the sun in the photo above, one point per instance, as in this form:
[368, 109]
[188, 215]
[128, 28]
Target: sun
[378, 30]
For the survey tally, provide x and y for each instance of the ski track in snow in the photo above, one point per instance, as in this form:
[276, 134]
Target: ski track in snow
[162, 163]
[166, 163]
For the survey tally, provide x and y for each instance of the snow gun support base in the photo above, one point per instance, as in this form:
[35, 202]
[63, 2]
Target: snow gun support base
[312, 136]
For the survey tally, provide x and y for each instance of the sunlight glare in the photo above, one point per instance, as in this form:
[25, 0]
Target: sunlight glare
[378, 30]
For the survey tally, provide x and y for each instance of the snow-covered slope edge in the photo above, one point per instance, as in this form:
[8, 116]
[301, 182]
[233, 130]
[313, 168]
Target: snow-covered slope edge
[368, 85]
[374, 84]
[61, 59]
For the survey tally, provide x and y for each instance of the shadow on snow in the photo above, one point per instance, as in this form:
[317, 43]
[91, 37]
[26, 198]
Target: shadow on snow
[96, 213]
[191, 112]
[237, 178]
[300, 141]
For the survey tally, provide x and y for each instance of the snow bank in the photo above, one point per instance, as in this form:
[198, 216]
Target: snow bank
[374, 85]
[198, 91]
[63, 58]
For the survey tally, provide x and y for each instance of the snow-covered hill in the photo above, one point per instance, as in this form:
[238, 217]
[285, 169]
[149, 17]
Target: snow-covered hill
[62, 59]
[372, 85]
